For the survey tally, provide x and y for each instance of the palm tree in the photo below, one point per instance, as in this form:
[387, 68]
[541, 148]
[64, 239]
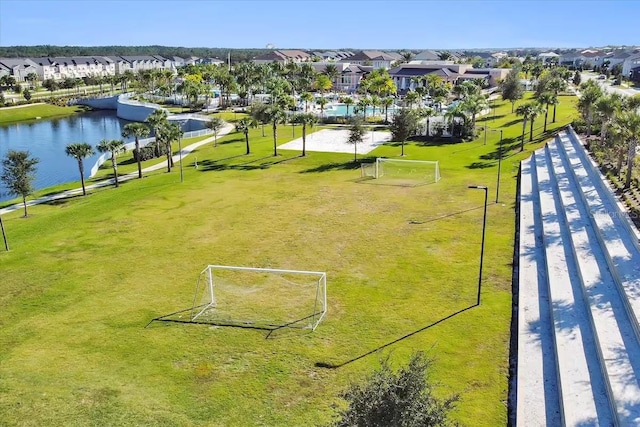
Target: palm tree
[215, 124]
[536, 110]
[170, 132]
[156, 121]
[524, 110]
[363, 103]
[411, 98]
[586, 103]
[630, 123]
[473, 105]
[304, 120]
[556, 85]
[605, 109]
[136, 130]
[306, 97]
[428, 113]
[113, 146]
[375, 101]
[545, 99]
[322, 83]
[322, 101]
[80, 151]
[331, 71]
[348, 101]
[276, 116]
[385, 103]
[243, 125]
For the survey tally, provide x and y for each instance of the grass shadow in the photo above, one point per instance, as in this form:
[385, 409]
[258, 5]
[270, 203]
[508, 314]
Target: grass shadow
[350, 165]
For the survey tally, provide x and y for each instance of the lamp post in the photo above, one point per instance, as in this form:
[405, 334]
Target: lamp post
[484, 227]
[180, 152]
[499, 162]
[4, 235]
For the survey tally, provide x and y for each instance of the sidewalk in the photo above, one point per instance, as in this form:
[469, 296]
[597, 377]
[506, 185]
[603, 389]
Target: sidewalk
[70, 193]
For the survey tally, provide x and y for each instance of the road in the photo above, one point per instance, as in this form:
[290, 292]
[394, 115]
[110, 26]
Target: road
[606, 85]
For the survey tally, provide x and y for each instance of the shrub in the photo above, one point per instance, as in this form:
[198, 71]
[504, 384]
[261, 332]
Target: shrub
[402, 398]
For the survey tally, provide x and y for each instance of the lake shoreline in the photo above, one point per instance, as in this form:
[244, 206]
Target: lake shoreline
[31, 113]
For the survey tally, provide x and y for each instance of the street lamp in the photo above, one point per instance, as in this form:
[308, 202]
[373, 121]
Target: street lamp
[484, 226]
[4, 235]
[499, 162]
[180, 152]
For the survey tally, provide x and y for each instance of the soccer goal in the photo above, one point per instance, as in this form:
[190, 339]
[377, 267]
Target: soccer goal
[260, 297]
[410, 171]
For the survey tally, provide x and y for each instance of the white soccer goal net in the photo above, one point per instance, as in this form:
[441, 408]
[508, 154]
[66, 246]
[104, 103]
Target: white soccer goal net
[408, 171]
[260, 297]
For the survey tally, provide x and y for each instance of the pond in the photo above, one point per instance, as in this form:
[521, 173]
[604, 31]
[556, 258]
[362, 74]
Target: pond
[47, 140]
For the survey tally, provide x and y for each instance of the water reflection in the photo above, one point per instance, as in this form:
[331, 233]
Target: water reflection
[47, 139]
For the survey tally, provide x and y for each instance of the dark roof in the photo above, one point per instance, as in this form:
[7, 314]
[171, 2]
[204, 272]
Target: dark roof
[427, 55]
[14, 62]
[371, 55]
[42, 61]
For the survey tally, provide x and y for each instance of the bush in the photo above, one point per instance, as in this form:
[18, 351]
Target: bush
[402, 398]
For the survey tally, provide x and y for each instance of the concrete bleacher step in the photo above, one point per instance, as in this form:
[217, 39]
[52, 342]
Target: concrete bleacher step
[617, 348]
[617, 238]
[536, 387]
[583, 390]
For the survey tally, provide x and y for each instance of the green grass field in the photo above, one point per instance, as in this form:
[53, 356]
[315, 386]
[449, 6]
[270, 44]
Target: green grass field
[84, 277]
[30, 113]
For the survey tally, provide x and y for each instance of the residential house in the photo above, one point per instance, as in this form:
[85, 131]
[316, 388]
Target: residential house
[375, 58]
[45, 68]
[350, 74]
[549, 57]
[19, 68]
[427, 55]
[404, 74]
[283, 56]
[630, 64]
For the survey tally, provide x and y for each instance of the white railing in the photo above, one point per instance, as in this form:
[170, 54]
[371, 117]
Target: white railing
[143, 142]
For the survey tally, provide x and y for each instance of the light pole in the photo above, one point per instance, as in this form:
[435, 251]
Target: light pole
[484, 227]
[180, 152]
[499, 162]
[4, 235]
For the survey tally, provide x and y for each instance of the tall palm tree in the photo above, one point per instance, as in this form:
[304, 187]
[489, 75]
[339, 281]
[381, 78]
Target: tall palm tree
[156, 121]
[428, 113]
[524, 110]
[113, 146]
[244, 125]
[630, 123]
[276, 116]
[411, 98]
[555, 85]
[545, 99]
[385, 103]
[605, 109]
[331, 71]
[306, 97]
[536, 110]
[170, 132]
[215, 124]
[363, 103]
[586, 104]
[322, 101]
[80, 151]
[304, 120]
[137, 131]
[375, 101]
[473, 105]
[348, 101]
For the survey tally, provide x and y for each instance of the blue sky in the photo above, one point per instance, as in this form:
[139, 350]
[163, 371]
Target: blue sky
[333, 24]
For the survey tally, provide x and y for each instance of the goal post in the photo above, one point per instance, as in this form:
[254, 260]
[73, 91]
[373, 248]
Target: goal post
[416, 171]
[261, 297]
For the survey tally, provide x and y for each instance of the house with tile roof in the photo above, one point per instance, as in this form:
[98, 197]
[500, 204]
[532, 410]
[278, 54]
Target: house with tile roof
[374, 58]
[283, 55]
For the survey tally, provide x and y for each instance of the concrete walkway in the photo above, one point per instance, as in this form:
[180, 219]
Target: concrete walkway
[70, 193]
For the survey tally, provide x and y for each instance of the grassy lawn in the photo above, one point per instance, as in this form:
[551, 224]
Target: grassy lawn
[43, 111]
[86, 275]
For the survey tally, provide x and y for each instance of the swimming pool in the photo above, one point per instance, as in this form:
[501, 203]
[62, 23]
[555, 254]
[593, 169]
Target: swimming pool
[340, 110]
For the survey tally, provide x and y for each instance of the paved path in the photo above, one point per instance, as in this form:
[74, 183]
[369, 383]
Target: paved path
[70, 193]
[607, 87]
